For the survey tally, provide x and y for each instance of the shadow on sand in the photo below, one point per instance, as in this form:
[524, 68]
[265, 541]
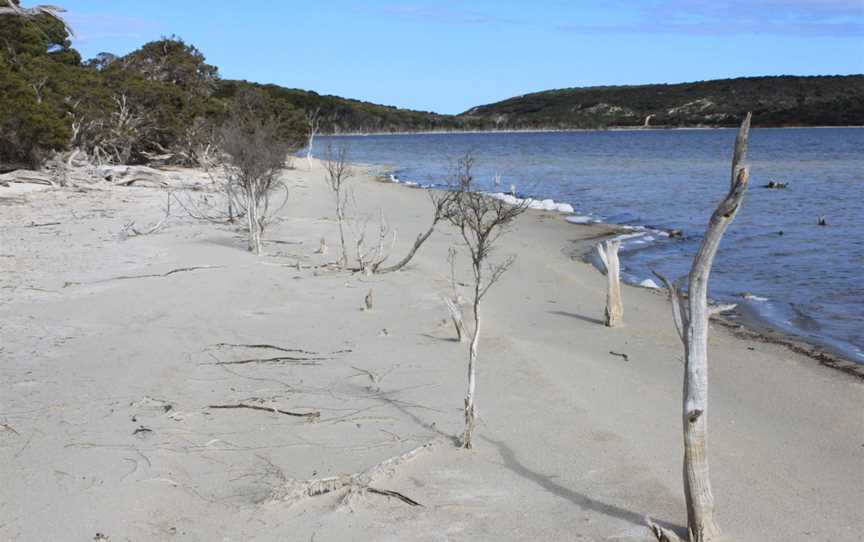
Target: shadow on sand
[578, 317]
[582, 501]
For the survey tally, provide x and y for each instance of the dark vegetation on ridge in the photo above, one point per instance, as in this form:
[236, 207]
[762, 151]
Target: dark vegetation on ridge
[164, 102]
[774, 101]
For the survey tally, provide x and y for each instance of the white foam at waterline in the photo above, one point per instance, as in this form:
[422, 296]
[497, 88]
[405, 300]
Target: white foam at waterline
[628, 236]
[648, 283]
[579, 219]
[751, 297]
[540, 205]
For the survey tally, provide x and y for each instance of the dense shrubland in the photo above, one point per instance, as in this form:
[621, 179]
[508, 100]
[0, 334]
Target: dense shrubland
[165, 103]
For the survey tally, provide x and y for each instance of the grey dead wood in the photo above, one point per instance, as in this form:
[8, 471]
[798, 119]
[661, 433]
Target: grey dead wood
[691, 314]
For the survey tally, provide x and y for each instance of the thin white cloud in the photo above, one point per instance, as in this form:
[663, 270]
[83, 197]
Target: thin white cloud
[806, 18]
[90, 27]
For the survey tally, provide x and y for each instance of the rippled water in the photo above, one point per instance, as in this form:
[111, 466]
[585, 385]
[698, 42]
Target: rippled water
[811, 276]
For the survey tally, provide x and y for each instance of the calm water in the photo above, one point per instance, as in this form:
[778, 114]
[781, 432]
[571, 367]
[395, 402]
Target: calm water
[810, 277]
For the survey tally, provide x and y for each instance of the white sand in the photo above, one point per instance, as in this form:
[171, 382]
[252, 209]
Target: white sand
[574, 443]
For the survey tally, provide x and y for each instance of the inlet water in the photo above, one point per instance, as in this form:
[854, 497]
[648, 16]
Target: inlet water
[802, 278]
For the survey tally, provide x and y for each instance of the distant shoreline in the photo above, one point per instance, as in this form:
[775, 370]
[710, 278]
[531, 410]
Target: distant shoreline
[567, 130]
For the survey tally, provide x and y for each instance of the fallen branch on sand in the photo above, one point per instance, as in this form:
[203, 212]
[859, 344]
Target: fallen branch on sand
[620, 355]
[36, 225]
[279, 348]
[153, 275]
[129, 229]
[313, 414]
[296, 490]
[278, 359]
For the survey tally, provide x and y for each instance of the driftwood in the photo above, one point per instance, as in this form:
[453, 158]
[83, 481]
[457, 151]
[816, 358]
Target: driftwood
[313, 414]
[297, 490]
[26, 176]
[281, 349]
[277, 359]
[608, 252]
[690, 314]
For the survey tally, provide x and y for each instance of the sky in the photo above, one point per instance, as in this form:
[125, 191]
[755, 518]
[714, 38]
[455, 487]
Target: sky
[448, 55]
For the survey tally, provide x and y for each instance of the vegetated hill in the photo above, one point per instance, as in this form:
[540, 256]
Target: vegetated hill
[774, 101]
[342, 115]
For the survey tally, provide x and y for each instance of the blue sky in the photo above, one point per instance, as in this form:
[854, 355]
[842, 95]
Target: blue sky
[449, 55]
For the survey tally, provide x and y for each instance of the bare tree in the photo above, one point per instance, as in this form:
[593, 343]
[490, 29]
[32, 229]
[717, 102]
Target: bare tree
[256, 153]
[691, 314]
[337, 173]
[608, 252]
[481, 220]
[313, 119]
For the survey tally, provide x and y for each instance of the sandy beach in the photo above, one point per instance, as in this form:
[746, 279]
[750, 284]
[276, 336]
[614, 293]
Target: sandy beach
[113, 352]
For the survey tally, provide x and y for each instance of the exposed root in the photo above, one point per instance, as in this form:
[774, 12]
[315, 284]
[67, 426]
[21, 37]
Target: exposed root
[661, 534]
[297, 490]
[313, 414]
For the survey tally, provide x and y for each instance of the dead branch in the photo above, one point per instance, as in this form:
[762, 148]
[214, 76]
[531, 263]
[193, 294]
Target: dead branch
[313, 414]
[396, 494]
[280, 349]
[129, 229]
[297, 490]
[277, 359]
[442, 203]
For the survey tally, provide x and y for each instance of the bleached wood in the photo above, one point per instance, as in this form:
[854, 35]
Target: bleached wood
[693, 314]
[296, 490]
[608, 252]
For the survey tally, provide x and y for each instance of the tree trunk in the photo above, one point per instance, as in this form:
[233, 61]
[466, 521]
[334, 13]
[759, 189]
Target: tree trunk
[340, 217]
[608, 252]
[691, 317]
[253, 221]
[470, 413]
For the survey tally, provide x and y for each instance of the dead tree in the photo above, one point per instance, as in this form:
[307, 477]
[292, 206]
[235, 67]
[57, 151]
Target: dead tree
[256, 154]
[370, 258]
[337, 173]
[608, 252]
[313, 119]
[442, 204]
[691, 314]
[481, 220]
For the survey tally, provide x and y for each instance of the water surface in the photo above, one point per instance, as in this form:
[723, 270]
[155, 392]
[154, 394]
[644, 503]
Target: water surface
[806, 280]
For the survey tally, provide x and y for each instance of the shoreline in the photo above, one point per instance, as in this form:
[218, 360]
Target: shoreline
[578, 130]
[747, 323]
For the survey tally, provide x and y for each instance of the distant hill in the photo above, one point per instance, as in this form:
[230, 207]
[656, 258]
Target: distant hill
[344, 115]
[774, 101]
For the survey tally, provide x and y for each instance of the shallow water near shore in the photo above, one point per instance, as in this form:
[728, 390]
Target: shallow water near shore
[800, 277]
